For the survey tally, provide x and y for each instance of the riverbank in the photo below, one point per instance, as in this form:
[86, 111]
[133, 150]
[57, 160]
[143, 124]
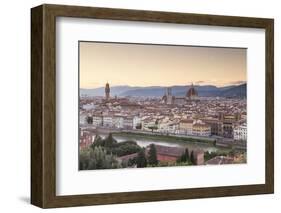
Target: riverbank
[167, 138]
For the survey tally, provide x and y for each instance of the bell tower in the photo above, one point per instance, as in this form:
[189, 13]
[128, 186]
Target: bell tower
[107, 91]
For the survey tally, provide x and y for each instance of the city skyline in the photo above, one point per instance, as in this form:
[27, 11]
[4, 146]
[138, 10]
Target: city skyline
[159, 65]
[151, 123]
[236, 83]
[183, 130]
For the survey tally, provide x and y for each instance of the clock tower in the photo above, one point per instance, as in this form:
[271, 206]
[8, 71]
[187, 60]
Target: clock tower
[107, 91]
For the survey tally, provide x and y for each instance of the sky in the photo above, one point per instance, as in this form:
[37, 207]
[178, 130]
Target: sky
[159, 65]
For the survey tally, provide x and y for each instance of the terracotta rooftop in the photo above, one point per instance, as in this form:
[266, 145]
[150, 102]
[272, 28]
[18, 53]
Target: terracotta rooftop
[186, 121]
[170, 151]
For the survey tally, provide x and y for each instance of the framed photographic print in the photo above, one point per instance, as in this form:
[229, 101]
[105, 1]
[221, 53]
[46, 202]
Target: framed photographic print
[136, 106]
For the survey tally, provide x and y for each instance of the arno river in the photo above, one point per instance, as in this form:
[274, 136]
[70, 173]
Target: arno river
[143, 142]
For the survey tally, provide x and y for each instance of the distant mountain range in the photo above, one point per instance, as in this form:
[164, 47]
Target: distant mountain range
[159, 91]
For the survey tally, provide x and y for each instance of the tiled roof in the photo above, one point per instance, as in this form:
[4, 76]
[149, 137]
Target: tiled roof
[170, 151]
[186, 121]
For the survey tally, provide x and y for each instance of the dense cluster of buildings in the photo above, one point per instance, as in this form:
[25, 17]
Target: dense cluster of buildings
[240, 132]
[191, 95]
[189, 115]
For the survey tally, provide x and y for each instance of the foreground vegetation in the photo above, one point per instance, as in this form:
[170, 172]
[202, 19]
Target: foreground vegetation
[97, 158]
[105, 154]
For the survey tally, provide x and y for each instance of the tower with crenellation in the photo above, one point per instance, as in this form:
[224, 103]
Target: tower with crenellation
[107, 91]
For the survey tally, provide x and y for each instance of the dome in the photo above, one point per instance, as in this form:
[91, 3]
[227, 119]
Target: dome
[191, 92]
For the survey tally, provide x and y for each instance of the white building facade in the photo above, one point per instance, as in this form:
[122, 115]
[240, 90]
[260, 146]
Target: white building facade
[97, 120]
[118, 122]
[136, 122]
[240, 132]
[107, 121]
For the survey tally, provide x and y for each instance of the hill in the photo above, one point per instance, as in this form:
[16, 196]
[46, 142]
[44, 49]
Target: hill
[178, 90]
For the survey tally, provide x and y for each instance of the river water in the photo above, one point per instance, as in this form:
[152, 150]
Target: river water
[144, 142]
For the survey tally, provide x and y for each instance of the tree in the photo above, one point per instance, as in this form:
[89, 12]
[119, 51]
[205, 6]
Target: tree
[153, 128]
[84, 159]
[192, 157]
[152, 155]
[132, 162]
[125, 148]
[141, 159]
[110, 141]
[210, 155]
[186, 152]
[98, 141]
[97, 158]
[184, 157]
[111, 146]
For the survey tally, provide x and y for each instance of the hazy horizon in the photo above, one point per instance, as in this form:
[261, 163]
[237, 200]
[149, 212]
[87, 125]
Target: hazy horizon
[234, 84]
[145, 65]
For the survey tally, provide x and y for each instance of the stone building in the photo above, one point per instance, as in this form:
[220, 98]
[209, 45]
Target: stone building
[240, 132]
[185, 126]
[201, 129]
[107, 91]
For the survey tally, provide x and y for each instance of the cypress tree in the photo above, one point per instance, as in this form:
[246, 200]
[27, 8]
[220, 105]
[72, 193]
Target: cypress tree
[187, 154]
[184, 157]
[110, 141]
[192, 159]
[141, 160]
[152, 155]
